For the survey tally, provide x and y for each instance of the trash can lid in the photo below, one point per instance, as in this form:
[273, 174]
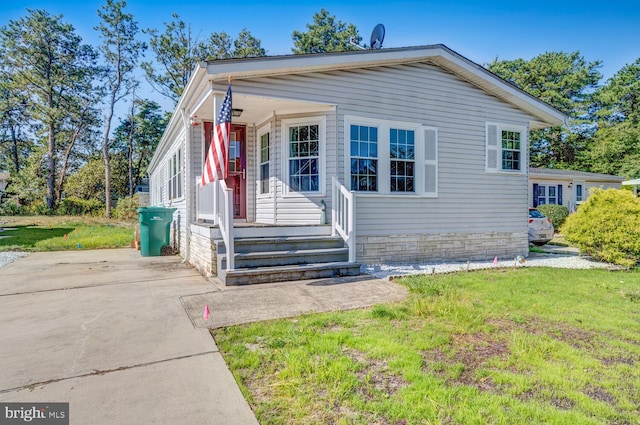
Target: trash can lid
[156, 209]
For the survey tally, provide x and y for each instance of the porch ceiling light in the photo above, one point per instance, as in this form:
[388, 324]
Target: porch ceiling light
[236, 112]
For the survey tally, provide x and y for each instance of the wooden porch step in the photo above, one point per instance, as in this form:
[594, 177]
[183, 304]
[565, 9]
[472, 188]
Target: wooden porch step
[285, 258]
[248, 276]
[284, 243]
[288, 257]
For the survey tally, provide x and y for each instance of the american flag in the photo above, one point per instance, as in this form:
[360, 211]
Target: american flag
[216, 165]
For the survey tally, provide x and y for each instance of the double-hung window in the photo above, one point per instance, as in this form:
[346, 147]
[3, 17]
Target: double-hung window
[304, 164]
[552, 195]
[387, 157]
[403, 160]
[579, 197]
[264, 161]
[542, 195]
[364, 158]
[505, 148]
[175, 175]
[547, 194]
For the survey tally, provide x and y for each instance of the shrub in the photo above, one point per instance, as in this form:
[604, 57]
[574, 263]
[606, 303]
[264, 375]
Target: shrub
[76, 206]
[11, 207]
[127, 208]
[557, 213]
[607, 227]
[38, 207]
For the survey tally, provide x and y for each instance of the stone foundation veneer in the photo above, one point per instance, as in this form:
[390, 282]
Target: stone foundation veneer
[203, 255]
[439, 247]
[400, 248]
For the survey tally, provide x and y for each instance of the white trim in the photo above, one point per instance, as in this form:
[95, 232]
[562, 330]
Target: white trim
[266, 128]
[203, 99]
[285, 124]
[384, 160]
[524, 147]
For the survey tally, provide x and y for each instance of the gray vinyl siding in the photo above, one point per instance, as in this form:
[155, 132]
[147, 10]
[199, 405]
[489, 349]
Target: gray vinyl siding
[197, 149]
[589, 185]
[469, 199]
[178, 226]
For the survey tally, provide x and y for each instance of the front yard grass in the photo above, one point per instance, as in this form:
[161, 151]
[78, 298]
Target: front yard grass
[62, 233]
[524, 346]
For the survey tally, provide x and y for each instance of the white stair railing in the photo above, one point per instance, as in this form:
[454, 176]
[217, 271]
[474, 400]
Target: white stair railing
[343, 216]
[205, 207]
[224, 219]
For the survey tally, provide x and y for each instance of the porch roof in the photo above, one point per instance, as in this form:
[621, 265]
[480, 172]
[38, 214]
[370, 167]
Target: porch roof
[256, 109]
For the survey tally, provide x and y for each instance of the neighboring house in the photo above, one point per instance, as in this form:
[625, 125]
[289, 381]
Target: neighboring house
[635, 183]
[4, 180]
[402, 154]
[566, 187]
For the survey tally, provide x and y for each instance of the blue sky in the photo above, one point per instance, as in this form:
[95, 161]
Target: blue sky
[478, 30]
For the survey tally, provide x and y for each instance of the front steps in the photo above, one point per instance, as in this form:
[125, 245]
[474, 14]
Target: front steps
[285, 258]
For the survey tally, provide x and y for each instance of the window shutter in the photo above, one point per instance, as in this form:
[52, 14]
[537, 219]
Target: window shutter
[535, 195]
[559, 194]
[493, 150]
[431, 162]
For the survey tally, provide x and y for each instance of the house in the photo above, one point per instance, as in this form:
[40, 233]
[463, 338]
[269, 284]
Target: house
[633, 182]
[566, 187]
[4, 181]
[400, 154]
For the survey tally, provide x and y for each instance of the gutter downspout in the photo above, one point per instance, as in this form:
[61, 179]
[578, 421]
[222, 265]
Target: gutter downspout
[188, 184]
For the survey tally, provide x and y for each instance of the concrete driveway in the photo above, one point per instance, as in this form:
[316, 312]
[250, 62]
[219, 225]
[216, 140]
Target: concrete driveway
[106, 331]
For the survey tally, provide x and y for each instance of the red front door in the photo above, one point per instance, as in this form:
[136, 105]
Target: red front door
[237, 180]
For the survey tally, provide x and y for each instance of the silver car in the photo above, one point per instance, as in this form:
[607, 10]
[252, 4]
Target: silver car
[540, 228]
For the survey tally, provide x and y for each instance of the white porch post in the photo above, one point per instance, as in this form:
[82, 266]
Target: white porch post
[188, 182]
[223, 201]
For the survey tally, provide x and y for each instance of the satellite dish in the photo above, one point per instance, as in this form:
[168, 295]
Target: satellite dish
[377, 37]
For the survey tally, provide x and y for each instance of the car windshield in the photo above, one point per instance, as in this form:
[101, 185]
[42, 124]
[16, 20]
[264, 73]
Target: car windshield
[535, 214]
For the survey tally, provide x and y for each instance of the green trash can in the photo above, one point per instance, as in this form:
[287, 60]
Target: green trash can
[155, 226]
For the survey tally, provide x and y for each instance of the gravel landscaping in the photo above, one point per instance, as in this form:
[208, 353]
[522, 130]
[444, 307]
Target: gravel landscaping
[392, 270]
[10, 257]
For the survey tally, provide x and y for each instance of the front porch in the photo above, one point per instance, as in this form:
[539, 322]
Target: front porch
[241, 252]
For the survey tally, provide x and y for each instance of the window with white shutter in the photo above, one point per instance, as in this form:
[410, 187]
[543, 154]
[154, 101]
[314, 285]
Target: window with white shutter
[505, 148]
[391, 158]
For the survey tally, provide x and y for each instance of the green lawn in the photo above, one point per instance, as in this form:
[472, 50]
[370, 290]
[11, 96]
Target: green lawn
[62, 233]
[525, 346]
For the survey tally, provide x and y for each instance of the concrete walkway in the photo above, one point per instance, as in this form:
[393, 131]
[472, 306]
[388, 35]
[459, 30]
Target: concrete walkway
[122, 338]
[254, 303]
